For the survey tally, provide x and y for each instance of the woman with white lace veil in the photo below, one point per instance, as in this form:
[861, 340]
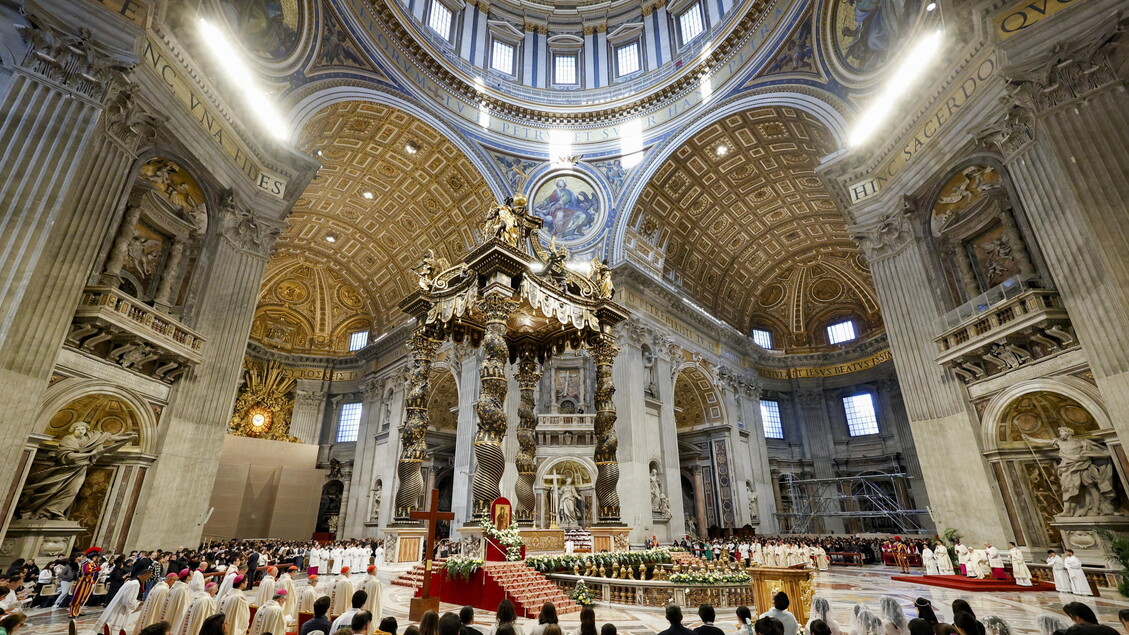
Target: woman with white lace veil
[894, 620]
[865, 622]
[1049, 624]
[995, 625]
[821, 610]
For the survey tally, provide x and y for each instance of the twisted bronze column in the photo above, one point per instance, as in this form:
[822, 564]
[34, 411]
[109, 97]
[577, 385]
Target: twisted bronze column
[413, 432]
[491, 463]
[528, 374]
[604, 351]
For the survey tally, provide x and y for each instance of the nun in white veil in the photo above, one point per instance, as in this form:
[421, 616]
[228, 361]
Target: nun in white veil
[821, 610]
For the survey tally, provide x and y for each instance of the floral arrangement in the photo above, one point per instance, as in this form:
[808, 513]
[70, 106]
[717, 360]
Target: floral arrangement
[562, 562]
[508, 538]
[710, 578]
[582, 595]
[462, 568]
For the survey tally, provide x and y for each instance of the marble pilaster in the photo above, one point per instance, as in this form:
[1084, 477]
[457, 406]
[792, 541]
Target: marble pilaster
[309, 409]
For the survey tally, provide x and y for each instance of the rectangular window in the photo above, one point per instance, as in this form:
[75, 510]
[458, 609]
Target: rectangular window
[440, 19]
[861, 419]
[691, 23]
[763, 338]
[358, 340]
[841, 332]
[770, 415]
[564, 69]
[349, 422]
[502, 57]
[627, 59]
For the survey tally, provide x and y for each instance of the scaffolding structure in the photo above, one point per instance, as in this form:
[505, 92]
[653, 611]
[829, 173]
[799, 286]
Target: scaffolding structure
[848, 497]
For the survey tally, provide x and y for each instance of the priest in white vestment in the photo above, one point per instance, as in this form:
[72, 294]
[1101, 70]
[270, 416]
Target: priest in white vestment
[336, 557]
[963, 553]
[202, 607]
[267, 586]
[314, 563]
[377, 558]
[1058, 568]
[271, 617]
[978, 559]
[286, 583]
[1019, 568]
[310, 594]
[124, 604]
[177, 601]
[237, 607]
[228, 581]
[342, 593]
[929, 561]
[196, 582]
[944, 563]
[1079, 585]
[995, 562]
[822, 562]
[375, 591]
[152, 611]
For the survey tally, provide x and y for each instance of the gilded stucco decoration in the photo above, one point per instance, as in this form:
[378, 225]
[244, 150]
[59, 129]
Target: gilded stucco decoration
[740, 217]
[442, 407]
[1040, 415]
[961, 193]
[696, 401]
[425, 194]
[306, 306]
[265, 403]
[102, 412]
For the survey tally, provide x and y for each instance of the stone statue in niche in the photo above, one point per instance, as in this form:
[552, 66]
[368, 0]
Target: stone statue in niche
[1085, 474]
[143, 253]
[374, 510]
[50, 492]
[660, 504]
[754, 512]
[650, 388]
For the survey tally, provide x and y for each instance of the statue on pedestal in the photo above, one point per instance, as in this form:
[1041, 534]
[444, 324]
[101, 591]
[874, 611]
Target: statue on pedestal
[568, 505]
[1085, 474]
[660, 504]
[50, 492]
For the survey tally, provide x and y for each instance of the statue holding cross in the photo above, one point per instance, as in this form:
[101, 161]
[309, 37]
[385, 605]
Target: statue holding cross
[431, 516]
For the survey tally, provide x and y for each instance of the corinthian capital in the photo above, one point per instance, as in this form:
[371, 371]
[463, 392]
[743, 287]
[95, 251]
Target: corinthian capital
[124, 118]
[72, 60]
[246, 231]
[889, 236]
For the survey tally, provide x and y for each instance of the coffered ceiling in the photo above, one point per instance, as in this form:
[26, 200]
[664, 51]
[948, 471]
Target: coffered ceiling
[390, 187]
[750, 232]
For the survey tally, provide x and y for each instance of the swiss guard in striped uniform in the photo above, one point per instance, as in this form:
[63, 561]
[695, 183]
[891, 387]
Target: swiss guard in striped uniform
[84, 583]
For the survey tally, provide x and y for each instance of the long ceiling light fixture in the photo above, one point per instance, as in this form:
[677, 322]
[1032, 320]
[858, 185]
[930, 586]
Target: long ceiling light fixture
[240, 75]
[916, 61]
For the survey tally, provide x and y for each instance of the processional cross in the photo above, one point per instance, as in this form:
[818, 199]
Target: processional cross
[432, 516]
[555, 479]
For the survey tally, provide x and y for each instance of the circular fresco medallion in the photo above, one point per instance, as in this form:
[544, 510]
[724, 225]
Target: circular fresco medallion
[865, 34]
[292, 291]
[349, 296]
[267, 28]
[570, 206]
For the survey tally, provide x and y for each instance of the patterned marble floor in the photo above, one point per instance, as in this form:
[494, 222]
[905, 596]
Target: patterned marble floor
[842, 587]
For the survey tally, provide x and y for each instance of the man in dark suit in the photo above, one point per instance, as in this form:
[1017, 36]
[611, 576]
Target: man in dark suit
[253, 566]
[707, 615]
[674, 616]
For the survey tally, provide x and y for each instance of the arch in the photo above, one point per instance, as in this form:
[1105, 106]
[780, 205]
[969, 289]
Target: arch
[329, 507]
[442, 405]
[822, 109]
[1080, 390]
[697, 401]
[549, 465]
[67, 391]
[302, 111]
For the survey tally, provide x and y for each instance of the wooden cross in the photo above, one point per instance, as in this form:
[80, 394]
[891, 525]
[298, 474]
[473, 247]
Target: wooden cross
[430, 539]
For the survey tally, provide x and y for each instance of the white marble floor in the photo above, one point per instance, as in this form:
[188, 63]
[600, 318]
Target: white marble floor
[842, 587]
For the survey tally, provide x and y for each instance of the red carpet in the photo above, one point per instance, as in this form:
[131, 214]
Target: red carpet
[962, 583]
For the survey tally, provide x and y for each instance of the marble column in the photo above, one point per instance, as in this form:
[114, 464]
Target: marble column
[700, 501]
[171, 276]
[309, 410]
[76, 126]
[811, 403]
[634, 425]
[175, 498]
[413, 434]
[527, 376]
[360, 510]
[604, 352]
[945, 429]
[1064, 141]
[461, 495]
[666, 352]
[126, 231]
